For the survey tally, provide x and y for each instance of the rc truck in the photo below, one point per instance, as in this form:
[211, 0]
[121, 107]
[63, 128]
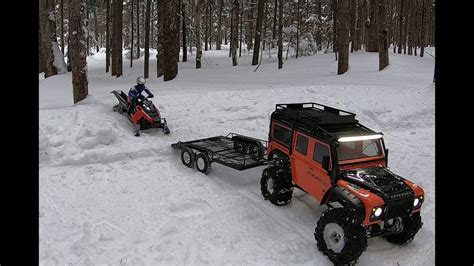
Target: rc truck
[327, 153]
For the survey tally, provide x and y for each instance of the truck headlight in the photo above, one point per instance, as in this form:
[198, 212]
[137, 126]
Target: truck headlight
[376, 213]
[417, 202]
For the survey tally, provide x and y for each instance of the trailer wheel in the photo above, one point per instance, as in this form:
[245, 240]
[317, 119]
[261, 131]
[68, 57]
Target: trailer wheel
[187, 157]
[203, 163]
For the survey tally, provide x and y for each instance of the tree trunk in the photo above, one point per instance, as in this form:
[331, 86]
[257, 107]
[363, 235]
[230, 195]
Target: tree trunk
[219, 26]
[183, 15]
[343, 36]
[280, 34]
[258, 31]
[96, 32]
[298, 17]
[117, 7]
[241, 23]
[131, 37]
[363, 28]
[62, 26]
[320, 25]
[383, 35]
[210, 27]
[170, 37]
[352, 14]
[197, 25]
[275, 7]
[334, 26]
[147, 39]
[88, 27]
[160, 6]
[372, 28]
[107, 37]
[40, 54]
[250, 25]
[359, 23]
[78, 57]
[206, 31]
[235, 31]
[231, 31]
[264, 30]
[48, 36]
[424, 24]
[400, 27]
[138, 29]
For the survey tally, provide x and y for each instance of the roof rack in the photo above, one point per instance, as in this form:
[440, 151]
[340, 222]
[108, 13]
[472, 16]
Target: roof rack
[315, 118]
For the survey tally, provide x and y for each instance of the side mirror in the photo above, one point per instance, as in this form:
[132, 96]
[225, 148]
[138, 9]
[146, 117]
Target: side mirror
[325, 163]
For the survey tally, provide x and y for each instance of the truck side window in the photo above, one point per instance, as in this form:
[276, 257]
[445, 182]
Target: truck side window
[320, 150]
[282, 134]
[302, 144]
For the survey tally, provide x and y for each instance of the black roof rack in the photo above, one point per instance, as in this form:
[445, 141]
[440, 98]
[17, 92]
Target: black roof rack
[318, 119]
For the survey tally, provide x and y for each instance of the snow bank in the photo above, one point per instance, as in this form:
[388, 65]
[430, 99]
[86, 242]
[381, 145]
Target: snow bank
[107, 197]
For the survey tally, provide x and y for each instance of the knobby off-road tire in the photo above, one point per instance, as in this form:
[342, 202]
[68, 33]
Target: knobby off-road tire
[411, 225]
[276, 183]
[340, 236]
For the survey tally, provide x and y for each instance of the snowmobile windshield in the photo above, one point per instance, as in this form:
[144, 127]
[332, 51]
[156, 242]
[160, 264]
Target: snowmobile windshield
[360, 149]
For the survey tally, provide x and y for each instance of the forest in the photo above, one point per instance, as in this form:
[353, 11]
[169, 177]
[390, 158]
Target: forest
[71, 30]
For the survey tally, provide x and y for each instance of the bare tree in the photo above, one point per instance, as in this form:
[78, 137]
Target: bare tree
[78, 57]
[258, 31]
[400, 27]
[372, 28]
[147, 38]
[48, 36]
[117, 6]
[61, 6]
[250, 25]
[343, 38]
[131, 26]
[383, 35]
[160, 6]
[219, 26]
[169, 41]
[138, 29]
[352, 14]
[280, 34]
[183, 15]
[197, 25]
[235, 31]
[424, 24]
[107, 37]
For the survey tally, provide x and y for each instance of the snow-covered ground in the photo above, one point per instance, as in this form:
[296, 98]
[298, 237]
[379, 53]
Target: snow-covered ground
[109, 197]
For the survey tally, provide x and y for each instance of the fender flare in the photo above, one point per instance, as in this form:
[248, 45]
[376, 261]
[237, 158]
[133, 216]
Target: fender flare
[346, 199]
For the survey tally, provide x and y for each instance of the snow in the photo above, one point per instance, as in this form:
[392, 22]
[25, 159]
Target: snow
[58, 59]
[107, 197]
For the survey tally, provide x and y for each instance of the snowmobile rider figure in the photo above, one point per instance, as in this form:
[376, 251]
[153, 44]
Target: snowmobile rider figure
[135, 93]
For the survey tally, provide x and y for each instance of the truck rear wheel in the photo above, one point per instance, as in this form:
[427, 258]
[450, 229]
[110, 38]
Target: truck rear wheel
[276, 184]
[411, 225]
[340, 236]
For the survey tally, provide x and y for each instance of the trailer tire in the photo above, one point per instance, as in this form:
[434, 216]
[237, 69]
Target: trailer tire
[187, 157]
[203, 163]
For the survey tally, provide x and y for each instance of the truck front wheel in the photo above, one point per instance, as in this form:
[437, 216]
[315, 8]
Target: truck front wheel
[340, 236]
[411, 225]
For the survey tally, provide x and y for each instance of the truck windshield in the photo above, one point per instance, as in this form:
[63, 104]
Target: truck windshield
[359, 149]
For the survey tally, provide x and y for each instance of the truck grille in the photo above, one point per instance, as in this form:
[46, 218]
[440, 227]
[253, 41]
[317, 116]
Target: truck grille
[399, 208]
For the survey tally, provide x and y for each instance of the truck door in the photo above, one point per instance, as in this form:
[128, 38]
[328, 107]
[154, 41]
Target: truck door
[306, 166]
